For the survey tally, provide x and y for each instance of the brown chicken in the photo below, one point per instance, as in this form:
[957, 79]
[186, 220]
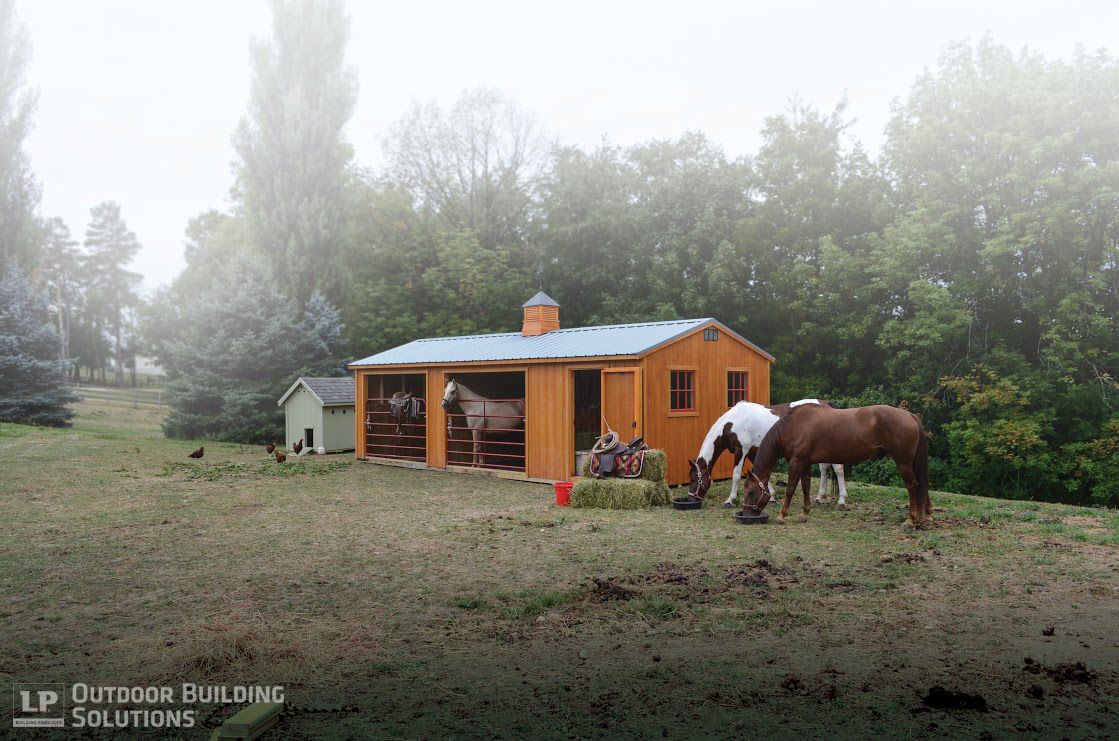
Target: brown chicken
[298, 446]
[197, 453]
[280, 457]
[270, 449]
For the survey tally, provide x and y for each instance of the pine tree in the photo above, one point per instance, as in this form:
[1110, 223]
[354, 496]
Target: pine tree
[19, 192]
[291, 177]
[238, 346]
[110, 247]
[32, 378]
[60, 267]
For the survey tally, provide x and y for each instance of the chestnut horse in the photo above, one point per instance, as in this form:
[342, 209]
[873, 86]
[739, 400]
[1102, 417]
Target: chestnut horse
[814, 434]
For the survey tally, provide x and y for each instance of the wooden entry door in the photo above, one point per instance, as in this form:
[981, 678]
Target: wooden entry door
[621, 401]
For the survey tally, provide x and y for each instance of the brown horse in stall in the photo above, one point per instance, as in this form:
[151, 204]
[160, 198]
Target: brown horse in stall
[816, 434]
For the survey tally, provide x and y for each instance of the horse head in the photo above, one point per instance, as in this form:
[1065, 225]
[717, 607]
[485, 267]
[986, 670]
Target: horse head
[756, 495]
[699, 478]
[450, 394]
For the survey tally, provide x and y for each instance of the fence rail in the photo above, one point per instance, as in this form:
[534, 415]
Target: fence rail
[485, 451]
[384, 438]
[121, 395]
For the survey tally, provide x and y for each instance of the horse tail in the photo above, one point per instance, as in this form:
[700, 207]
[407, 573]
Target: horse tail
[921, 465]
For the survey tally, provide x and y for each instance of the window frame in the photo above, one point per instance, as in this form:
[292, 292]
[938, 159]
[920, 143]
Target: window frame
[745, 389]
[694, 389]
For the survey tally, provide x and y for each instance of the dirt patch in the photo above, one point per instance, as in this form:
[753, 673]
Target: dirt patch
[760, 574]
[606, 590]
[1083, 521]
[671, 573]
[939, 698]
[1071, 672]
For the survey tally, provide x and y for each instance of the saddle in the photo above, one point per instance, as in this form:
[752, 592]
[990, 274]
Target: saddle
[611, 457]
[405, 409]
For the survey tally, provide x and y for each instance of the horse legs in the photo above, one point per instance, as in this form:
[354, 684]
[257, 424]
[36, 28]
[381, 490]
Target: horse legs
[796, 472]
[838, 467]
[739, 463]
[479, 456]
[823, 483]
[917, 513]
[805, 483]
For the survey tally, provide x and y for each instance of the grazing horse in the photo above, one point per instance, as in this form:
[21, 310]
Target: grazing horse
[482, 414]
[741, 430]
[812, 433]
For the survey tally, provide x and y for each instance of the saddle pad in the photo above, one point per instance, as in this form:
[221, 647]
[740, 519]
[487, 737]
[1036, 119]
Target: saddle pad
[626, 465]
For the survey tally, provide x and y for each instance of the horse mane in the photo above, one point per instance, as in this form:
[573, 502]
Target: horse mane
[766, 456]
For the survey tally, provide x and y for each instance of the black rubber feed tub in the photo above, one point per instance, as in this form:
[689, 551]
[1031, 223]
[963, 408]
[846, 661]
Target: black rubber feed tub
[751, 519]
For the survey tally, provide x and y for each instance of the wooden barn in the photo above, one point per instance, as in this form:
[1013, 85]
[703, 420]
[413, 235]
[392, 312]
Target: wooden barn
[666, 381]
[321, 412]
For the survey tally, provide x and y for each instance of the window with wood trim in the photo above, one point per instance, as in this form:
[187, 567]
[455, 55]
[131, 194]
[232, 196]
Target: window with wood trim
[738, 387]
[681, 391]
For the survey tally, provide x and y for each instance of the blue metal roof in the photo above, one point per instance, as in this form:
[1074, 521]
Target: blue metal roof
[581, 342]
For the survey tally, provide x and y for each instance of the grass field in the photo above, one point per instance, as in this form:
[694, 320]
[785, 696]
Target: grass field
[451, 606]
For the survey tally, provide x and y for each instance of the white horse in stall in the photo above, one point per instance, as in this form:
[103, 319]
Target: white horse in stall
[740, 430]
[482, 414]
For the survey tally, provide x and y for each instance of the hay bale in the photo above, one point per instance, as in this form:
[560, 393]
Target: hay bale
[611, 493]
[655, 467]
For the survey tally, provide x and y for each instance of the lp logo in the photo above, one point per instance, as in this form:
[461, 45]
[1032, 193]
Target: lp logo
[46, 699]
[39, 706]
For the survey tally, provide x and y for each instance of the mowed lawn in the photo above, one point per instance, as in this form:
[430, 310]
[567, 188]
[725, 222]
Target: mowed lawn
[454, 606]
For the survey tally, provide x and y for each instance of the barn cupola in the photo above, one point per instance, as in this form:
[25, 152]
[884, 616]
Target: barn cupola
[541, 315]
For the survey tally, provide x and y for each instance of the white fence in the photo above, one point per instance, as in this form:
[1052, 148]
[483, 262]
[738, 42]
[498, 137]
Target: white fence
[122, 395]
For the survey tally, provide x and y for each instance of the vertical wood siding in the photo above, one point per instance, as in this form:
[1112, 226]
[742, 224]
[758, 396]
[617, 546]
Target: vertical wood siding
[681, 435]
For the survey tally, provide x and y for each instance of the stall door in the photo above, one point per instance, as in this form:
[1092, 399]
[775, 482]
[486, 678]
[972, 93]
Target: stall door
[621, 401]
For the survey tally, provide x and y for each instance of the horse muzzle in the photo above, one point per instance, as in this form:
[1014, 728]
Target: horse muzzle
[446, 404]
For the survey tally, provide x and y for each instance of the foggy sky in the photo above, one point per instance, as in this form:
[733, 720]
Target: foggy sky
[138, 100]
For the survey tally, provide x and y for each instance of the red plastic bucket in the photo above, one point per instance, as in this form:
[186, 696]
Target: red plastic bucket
[563, 492]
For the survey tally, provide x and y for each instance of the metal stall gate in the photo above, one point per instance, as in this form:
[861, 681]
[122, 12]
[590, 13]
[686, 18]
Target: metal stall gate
[484, 440]
[385, 438]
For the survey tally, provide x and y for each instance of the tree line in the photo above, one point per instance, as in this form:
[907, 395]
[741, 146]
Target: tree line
[967, 267]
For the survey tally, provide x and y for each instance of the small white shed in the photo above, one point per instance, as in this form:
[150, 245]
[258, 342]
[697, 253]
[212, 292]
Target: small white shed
[321, 411]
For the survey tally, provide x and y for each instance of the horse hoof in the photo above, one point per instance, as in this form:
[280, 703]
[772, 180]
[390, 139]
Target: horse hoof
[727, 505]
[841, 505]
[780, 520]
[802, 518]
[908, 525]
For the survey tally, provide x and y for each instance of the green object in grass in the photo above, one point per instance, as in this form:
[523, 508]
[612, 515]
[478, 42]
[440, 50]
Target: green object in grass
[251, 721]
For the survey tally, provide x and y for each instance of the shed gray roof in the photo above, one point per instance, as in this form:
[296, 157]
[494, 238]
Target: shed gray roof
[580, 342]
[329, 391]
[540, 299]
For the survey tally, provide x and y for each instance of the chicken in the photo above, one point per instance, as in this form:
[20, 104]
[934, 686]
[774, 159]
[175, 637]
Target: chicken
[270, 449]
[298, 446]
[280, 457]
[197, 453]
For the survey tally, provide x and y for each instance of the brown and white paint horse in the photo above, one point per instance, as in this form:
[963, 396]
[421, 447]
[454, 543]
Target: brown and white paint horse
[741, 430]
[813, 433]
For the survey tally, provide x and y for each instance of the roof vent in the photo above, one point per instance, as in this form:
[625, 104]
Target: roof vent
[541, 315]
